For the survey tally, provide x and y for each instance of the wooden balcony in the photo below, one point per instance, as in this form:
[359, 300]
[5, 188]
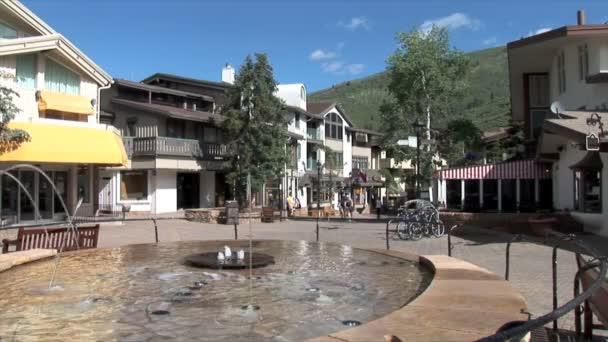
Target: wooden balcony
[173, 147]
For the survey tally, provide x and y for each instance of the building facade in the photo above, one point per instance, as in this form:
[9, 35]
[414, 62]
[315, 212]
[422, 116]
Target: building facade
[57, 89]
[559, 84]
[170, 128]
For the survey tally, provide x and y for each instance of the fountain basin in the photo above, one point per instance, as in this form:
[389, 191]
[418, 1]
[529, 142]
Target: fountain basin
[145, 291]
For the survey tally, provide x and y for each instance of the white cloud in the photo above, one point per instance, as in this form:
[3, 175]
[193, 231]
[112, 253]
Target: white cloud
[490, 41]
[355, 23]
[320, 54]
[340, 68]
[539, 31]
[332, 67]
[451, 22]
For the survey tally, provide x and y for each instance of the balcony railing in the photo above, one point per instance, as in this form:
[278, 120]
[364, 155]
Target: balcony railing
[311, 164]
[313, 134]
[173, 147]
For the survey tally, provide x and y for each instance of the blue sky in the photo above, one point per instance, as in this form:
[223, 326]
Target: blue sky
[316, 42]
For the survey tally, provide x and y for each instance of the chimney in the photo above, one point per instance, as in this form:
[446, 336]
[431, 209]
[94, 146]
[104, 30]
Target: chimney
[228, 74]
[580, 17]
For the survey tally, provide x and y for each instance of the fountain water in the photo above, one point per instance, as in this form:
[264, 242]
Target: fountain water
[69, 218]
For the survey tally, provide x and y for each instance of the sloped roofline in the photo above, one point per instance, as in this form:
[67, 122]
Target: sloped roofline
[18, 9]
[564, 31]
[63, 45]
[188, 80]
[336, 105]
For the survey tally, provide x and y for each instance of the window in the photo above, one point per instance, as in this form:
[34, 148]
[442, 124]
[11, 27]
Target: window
[176, 128]
[297, 120]
[360, 162]
[587, 194]
[133, 185]
[339, 160]
[302, 93]
[131, 127]
[212, 135]
[26, 71]
[333, 126]
[7, 32]
[84, 183]
[537, 98]
[583, 62]
[60, 79]
[561, 73]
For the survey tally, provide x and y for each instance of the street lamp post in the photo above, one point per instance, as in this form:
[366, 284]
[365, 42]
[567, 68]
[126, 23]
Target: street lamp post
[418, 126]
[318, 196]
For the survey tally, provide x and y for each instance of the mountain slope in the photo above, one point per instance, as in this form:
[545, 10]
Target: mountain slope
[487, 102]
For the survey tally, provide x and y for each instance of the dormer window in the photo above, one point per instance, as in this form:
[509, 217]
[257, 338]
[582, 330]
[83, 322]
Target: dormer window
[7, 32]
[302, 94]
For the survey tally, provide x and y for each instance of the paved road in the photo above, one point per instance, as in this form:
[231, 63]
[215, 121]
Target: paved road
[530, 265]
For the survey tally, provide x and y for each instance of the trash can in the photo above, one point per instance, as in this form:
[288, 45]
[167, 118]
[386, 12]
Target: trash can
[232, 212]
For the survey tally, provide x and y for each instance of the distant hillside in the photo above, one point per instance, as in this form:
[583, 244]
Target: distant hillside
[487, 103]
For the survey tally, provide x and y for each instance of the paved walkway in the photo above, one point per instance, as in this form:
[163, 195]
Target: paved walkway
[530, 262]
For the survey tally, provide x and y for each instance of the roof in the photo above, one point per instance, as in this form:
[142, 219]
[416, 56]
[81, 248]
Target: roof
[188, 80]
[303, 112]
[363, 130]
[573, 124]
[565, 31]
[153, 88]
[495, 135]
[322, 108]
[19, 10]
[295, 135]
[591, 160]
[172, 112]
[63, 45]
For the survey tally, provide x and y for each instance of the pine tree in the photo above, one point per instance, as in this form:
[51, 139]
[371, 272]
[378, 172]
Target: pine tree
[254, 128]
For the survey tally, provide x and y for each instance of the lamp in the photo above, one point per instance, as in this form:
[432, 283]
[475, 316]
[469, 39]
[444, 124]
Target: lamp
[418, 126]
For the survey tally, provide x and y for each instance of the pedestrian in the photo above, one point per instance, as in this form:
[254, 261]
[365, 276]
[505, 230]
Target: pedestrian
[342, 207]
[349, 209]
[378, 207]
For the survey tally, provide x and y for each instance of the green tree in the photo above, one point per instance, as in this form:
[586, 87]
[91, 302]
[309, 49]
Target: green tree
[513, 145]
[427, 77]
[10, 139]
[254, 128]
[457, 142]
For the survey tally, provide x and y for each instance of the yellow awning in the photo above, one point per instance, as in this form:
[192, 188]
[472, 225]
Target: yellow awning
[66, 144]
[65, 103]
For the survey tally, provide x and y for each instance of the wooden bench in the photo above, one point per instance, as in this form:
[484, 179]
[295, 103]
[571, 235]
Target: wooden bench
[597, 304]
[268, 214]
[53, 238]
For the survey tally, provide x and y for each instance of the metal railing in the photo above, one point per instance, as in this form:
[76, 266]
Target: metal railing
[173, 147]
[558, 239]
[313, 134]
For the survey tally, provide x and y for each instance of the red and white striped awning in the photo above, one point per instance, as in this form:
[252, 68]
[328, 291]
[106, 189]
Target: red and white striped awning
[522, 169]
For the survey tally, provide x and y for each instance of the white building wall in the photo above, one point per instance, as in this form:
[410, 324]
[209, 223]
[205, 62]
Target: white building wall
[207, 189]
[165, 192]
[292, 94]
[146, 205]
[579, 93]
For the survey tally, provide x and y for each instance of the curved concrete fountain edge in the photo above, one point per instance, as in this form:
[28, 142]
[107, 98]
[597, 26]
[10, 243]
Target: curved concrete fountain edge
[463, 302]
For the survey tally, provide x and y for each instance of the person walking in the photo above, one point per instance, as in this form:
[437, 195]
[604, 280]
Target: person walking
[349, 209]
[378, 207]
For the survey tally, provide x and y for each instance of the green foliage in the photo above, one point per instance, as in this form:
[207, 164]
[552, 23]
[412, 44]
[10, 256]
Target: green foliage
[459, 138]
[10, 139]
[486, 103]
[254, 126]
[512, 146]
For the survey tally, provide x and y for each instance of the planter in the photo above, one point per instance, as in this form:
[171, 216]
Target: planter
[542, 226]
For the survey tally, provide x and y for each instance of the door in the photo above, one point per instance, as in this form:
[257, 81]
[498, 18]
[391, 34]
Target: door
[105, 195]
[188, 189]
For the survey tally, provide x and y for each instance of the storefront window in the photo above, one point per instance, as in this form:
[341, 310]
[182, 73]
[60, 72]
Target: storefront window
[84, 183]
[133, 185]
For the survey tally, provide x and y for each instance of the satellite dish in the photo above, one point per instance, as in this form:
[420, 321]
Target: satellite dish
[557, 108]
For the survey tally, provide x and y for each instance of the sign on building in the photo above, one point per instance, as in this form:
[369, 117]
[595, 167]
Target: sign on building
[592, 142]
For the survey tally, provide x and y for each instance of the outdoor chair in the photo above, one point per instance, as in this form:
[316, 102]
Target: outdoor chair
[53, 238]
[597, 304]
